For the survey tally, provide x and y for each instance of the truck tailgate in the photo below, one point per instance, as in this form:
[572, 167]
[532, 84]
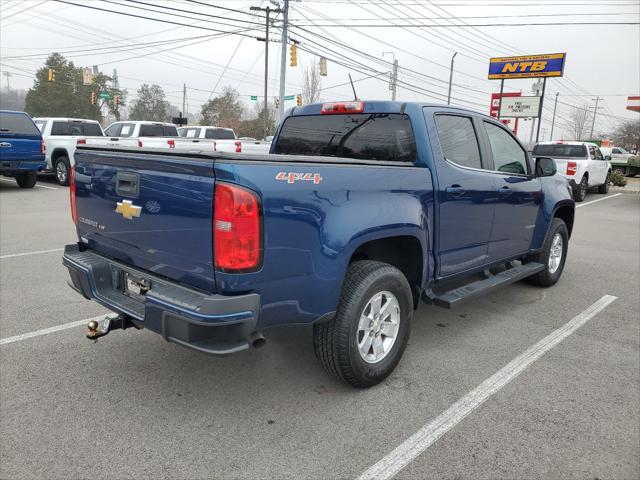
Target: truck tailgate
[148, 210]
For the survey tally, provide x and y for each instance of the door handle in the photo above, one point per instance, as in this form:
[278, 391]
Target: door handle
[504, 191]
[127, 184]
[5, 144]
[455, 190]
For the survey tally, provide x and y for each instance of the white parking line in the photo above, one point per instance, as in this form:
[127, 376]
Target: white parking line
[38, 252]
[41, 186]
[47, 331]
[415, 445]
[598, 200]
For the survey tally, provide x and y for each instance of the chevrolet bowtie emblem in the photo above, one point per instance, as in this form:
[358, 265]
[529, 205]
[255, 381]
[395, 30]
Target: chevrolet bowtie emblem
[128, 209]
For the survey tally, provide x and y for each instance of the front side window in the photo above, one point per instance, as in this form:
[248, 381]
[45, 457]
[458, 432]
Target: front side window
[599, 155]
[363, 136]
[458, 140]
[508, 156]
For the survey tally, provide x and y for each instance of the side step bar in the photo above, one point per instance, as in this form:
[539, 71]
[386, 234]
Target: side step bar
[457, 296]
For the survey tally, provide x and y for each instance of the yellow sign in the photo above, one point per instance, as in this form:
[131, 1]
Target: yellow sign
[128, 210]
[532, 66]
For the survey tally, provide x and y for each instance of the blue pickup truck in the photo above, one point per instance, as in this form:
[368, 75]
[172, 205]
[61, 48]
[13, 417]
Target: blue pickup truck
[21, 148]
[361, 210]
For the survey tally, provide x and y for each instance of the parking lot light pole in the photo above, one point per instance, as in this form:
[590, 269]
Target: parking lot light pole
[553, 120]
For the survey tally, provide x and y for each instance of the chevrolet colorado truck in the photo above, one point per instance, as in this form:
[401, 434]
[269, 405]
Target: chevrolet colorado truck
[360, 211]
[21, 148]
[61, 136]
[582, 163]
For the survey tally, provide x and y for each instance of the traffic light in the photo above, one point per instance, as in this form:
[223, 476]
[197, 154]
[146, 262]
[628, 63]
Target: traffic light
[277, 102]
[323, 67]
[52, 75]
[299, 100]
[94, 98]
[116, 100]
[294, 55]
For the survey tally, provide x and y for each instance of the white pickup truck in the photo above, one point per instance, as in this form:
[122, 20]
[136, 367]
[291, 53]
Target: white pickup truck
[225, 138]
[151, 135]
[582, 163]
[61, 135]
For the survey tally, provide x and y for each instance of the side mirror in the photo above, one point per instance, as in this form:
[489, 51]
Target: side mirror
[545, 167]
[608, 157]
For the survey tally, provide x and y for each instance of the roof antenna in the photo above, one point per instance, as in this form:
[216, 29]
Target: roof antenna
[355, 95]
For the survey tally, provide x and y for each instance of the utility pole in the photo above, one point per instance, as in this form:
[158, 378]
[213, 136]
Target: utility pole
[393, 83]
[283, 56]
[184, 99]
[7, 74]
[265, 115]
[451, 78]
[593, 121]
[553, 120]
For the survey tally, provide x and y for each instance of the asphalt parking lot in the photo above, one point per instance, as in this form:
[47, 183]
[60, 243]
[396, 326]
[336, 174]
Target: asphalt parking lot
[135, 406]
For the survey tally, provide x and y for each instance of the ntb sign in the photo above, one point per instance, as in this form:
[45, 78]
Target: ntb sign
[532, 66]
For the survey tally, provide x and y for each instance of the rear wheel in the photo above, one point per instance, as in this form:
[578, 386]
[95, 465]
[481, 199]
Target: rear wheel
[365, 340]
[580, 192]
[62, 168]
[27, 180]
[620, 170]
[552, 256]
[604, 188]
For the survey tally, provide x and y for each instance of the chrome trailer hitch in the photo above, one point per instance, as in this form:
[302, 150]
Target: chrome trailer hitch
[99, 328]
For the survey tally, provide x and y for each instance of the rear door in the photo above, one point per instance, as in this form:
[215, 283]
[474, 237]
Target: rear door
[518, 194]
[153, 212]
[19, 139]
[600, 166]
[466, 195]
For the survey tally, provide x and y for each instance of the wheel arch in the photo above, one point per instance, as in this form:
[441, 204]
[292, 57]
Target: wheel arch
[57, 153]
[567, 214]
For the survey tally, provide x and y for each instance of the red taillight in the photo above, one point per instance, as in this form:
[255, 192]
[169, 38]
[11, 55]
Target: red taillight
[237, 235]
[81, 141]
[342, 107]
[238, 147]
[572, 168]
[140, 143]
[171, 143]
[43, 147]
[72, 194]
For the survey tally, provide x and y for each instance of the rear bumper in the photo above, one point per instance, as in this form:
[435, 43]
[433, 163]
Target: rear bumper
[13, 167]
[208, 323]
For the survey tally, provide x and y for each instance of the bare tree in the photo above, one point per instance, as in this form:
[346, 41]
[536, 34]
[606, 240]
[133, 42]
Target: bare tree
[311, 83]
[579, 122]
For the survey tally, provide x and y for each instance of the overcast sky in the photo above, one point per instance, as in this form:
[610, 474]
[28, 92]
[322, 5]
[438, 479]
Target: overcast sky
[601, 60]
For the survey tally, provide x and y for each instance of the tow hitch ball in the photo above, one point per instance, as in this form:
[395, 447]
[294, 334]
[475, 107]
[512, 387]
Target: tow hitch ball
[99, 328]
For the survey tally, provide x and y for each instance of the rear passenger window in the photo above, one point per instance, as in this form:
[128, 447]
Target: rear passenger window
[508, 156]
[458, 140]
[113, 130]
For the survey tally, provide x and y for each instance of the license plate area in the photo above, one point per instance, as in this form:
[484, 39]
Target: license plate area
[135, 287]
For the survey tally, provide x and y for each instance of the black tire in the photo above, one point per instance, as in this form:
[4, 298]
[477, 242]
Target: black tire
[336, 342]
[62, 168]
[580, 191]
[546, 278]
[27, 180]
[604, 188]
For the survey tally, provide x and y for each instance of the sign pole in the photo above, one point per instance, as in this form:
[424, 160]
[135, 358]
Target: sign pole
[553, 121]
[500, 97]
[544, 84]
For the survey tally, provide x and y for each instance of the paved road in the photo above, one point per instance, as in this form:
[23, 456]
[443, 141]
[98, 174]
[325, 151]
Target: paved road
[134, 406]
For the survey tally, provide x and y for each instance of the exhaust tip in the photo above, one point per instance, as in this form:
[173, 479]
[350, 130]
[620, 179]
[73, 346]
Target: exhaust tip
[257, 340]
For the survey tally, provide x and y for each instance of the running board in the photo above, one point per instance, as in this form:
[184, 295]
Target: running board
[455, 297]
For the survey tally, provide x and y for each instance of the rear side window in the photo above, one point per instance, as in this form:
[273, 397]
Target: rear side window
[560, 150]
[76, 129]
[219, 134]
[113, 130]
[458, 140]
[158, 131]
[190, 132]
[17, 124]
[376, 136]
[508, 156]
